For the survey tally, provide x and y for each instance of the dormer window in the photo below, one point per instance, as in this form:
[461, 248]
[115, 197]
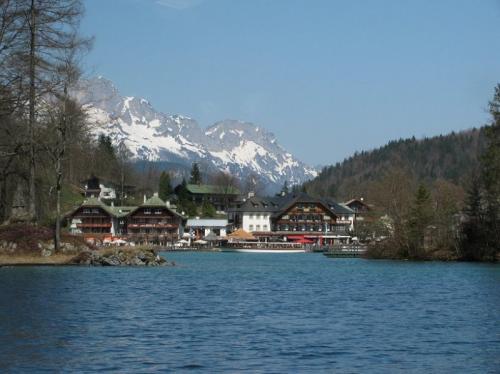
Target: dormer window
[147, 211]
[86, 211]
[158, 211]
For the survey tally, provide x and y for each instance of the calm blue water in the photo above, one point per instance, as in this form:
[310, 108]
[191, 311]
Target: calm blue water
[249, 312]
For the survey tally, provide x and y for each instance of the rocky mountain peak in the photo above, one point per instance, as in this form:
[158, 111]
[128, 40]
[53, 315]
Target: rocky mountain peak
[237, 146]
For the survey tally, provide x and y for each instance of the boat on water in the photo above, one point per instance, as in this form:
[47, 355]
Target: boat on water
[264, 250]
[263, 247]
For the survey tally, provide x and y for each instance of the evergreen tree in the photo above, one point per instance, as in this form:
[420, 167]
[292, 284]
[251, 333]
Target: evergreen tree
[285, 189]
[195, 174]
[105, 145]
[208, 210]
[490, 162]
[421, 215]
[480, 235]
[472, 229]
[164, 187]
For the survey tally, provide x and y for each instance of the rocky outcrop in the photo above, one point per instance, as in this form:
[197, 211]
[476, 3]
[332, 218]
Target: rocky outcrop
[120, 257]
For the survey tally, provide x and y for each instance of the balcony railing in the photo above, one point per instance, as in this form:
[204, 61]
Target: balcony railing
[152, 225]
[85, 225]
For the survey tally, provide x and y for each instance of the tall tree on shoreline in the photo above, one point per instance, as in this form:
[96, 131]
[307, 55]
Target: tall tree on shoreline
[49, 30]
[65, 117]
[420, 217]
[490, 162]
[480, 233]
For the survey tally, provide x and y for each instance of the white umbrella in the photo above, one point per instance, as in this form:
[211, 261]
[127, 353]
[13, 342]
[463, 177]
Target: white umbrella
[182, 241]
[201, 242]
[186, 235]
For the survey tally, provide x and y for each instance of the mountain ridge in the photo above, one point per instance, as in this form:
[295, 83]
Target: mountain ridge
[238, 147]
[452, 157]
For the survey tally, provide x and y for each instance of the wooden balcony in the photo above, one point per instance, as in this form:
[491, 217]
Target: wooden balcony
[152, 226]
[93, 225]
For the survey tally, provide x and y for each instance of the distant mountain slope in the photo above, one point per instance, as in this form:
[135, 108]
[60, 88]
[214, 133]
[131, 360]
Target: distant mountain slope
[240, 148]
[451, 157]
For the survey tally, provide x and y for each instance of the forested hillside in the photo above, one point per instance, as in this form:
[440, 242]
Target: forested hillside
[450, 157]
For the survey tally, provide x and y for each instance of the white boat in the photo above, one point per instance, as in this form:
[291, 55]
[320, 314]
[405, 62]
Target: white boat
[264, 250]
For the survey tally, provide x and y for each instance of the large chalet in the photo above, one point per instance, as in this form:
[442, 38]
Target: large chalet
[294, 217]
[154, 221]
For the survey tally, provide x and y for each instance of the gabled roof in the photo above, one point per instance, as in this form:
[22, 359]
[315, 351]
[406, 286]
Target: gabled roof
[123, 211]
[339, 208]
[212, 189]
[357, 201]
[115, 211]
[92, 202]
[261, 204]
[306, 199]
[154, 201]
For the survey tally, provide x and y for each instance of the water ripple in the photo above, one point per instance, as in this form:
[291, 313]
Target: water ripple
[258, 313]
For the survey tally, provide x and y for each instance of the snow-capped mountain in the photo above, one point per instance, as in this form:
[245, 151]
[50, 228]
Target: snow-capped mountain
[238, 147]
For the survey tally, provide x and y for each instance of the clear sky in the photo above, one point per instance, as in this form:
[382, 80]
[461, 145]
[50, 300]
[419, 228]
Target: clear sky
[327, 77]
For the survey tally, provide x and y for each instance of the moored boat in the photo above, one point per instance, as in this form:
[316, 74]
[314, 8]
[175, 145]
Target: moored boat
[264, 250]
[263, 247]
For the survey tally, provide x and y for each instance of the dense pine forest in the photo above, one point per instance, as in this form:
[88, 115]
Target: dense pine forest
[434, 198]
[450, 158]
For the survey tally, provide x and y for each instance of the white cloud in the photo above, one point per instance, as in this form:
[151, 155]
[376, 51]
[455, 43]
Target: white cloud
[179, 4]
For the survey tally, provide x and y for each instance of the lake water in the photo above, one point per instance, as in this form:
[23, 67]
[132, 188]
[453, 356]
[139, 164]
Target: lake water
[252, 312]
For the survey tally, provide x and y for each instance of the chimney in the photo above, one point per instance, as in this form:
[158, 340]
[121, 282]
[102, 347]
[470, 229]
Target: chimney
[168, 203]
[144, 197]
[112, 204]
[155, 194]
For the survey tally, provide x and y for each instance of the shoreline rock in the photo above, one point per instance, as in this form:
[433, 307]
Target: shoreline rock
[120, 257]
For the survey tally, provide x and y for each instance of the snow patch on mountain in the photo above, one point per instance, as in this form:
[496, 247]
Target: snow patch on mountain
[238, 147]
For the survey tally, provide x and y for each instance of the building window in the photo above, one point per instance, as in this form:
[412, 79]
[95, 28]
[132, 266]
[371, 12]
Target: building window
[86, 211]
[251, 227]
[158, 211]
[147, 211]
[265, 227]
[250, 216]
[257, 227]
[95, 211]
